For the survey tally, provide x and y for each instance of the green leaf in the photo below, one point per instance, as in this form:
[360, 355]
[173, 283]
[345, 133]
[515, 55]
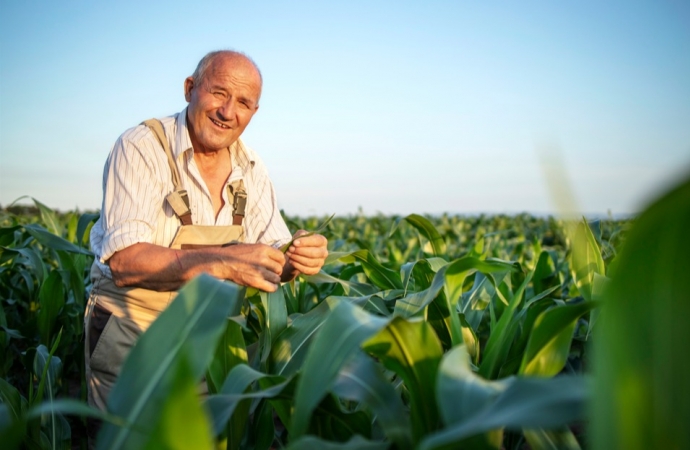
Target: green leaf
[230, 351]
[194, 320]
[182, 423]
[501, 338]
[545, 273]
[471, 405]
[356, 443]
[57, 430]
[49, 366]
[223, 404]
[48, 217]
[460, 394]
[470, 339]
[35, 262]
[552, 440]
[343, 331]
[72, 407]
[426, 229]
[350, 288]
[51, 301]
[361, 380]
[429, 266]
[475, 301]
[454, 278]
[382, 277]
[549, 343]
[12, 431]
[451, 282]
[412, 350]
[276, 312]
[12, 415]
[333, 422]
[585, 258]
[289, 351]
[52, 241]
[642, 336]
[379, 275]
[85, 223]
[262, 433]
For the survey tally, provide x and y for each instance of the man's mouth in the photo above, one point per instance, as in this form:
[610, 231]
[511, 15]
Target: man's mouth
[220, 124]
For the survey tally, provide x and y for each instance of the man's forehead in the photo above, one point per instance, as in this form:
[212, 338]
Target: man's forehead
[234, 64]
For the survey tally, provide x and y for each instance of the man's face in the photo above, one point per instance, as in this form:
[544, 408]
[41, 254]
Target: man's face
[222, 103]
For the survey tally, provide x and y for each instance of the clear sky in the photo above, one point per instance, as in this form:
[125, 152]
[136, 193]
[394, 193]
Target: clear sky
[388, 106]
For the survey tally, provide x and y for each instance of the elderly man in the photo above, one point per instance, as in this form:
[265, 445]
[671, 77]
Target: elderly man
[184, 196]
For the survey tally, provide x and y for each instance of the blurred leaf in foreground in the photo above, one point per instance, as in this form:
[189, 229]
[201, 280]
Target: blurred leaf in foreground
[642, 369]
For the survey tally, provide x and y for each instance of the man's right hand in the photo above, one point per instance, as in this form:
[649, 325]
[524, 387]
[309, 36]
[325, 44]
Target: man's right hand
[253, 265]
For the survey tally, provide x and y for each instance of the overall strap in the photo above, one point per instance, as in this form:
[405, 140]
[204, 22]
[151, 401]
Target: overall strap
[178, 199]
[239, 203]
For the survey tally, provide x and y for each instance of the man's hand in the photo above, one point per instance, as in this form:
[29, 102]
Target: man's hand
[164, 269]
[253, 265]
[306, 255]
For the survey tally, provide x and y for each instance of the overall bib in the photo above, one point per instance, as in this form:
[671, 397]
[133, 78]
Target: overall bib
[115, 317]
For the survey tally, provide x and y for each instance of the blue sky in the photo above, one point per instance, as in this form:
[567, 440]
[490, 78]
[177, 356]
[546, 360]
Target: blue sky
[391, 107]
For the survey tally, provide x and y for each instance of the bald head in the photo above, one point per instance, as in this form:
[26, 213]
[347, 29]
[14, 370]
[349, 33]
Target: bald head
[231, 56]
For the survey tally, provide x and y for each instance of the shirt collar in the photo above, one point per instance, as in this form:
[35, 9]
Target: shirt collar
[183, 142]
[241, 155]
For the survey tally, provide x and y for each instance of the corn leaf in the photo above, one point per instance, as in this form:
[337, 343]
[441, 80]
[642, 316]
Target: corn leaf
[290, 348]
[351, 288]
[502, 335]
[549, 343]
[412, 350]
[471, 405]
[343, 331]
[195, 319]
[235, 390]
[362, 380]
[585, 258]
[53, 241]
[426, 229]
[642, 336]
[49, 217]
[51, 300]
[355, 443]
[182, 423]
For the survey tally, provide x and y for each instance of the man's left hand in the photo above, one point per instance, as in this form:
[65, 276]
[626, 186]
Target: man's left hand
[306, 255]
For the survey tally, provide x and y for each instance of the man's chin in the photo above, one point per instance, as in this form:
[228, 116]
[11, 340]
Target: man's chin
[213, 145]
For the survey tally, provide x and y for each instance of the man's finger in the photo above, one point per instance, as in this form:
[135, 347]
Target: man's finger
[307, 261]
[307, 269]
[309, 253]
[315, 240]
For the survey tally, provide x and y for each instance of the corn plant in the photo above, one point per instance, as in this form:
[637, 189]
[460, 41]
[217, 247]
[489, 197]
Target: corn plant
[43, 282]
[420, 332]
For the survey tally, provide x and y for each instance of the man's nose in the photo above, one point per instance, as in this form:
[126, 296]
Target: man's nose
[228, 108]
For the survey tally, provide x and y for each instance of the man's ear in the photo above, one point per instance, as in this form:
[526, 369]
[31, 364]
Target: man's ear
[188, 86]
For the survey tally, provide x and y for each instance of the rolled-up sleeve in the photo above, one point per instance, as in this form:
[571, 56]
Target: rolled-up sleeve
[133, 196]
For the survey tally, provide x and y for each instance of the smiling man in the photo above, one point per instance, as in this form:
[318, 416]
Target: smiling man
[183, 196]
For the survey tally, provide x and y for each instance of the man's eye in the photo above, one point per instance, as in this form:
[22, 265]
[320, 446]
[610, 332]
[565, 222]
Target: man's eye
[219, 95]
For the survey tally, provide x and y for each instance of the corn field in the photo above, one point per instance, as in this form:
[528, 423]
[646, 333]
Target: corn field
[450, 332]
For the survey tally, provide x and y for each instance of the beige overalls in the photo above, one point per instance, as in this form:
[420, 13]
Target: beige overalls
[115, 316]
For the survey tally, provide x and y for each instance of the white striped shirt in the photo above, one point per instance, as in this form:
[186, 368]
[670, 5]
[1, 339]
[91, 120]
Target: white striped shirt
[137, 178]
